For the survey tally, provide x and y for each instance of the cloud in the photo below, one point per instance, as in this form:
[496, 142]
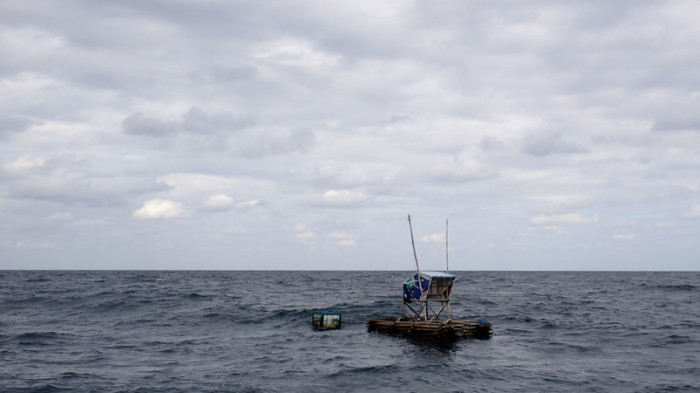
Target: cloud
[433, 238]
[551, 142]
[197, 121]
[295, 53]
[625, 236]
[342, 198]
[187, 183]
[343, 239]
[194, 121]
[567, 218]
[490, 142]
[159, 208]
[138, 124]
[256, 143]
[678, 121]
[22, 165]
[345, 117]
[219, 202]
[29, 42]
[223, 202]
[66, 182]
[692, 212]
[469, 164]
[356, 174]
[566, 201]
[248, 204]
[13, 124]
[36, 245]
[59, 216]
[198, 130]
[305, 237]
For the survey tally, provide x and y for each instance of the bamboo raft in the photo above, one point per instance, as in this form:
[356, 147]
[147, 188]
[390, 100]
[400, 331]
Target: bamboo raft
[435, 330]
[426, 295]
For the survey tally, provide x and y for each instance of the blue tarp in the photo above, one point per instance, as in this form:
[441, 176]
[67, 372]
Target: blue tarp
[412, 289]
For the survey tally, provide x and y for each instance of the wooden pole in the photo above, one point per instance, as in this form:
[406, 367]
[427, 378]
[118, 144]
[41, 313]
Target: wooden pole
[415, 257]
[447, 266]
[447, 249]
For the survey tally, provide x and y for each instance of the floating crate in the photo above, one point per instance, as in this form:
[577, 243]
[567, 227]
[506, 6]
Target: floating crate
[325, 320]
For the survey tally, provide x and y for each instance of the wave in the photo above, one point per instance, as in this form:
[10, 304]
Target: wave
[680, 287]
[252, 331]
[42, 388]
[196, 296]
[41, 338]
[670, 287]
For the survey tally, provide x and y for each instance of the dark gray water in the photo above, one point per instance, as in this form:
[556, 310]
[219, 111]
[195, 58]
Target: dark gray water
[251, 332]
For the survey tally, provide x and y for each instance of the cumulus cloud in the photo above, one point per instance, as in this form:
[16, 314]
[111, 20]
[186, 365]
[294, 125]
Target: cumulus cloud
[219, 202]
[343, 197]
[433, 238]
[223, 202]
[567, 218]
[159, 208]
[22, 165]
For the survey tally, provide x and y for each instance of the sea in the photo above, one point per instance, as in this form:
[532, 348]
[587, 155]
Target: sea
[251, 331]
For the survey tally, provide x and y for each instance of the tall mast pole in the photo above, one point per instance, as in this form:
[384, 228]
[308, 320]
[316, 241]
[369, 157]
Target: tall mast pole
[447, 250]
[447, 266]
[415, 257]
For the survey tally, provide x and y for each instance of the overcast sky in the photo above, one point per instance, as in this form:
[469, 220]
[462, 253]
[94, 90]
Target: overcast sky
[214, 134]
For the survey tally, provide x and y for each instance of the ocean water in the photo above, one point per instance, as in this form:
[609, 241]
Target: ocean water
[211, 331]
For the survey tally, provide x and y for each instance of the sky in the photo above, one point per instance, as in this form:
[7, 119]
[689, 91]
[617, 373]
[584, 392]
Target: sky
[285, 135]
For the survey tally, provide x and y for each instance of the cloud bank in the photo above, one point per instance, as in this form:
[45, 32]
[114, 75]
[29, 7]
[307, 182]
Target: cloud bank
[221, 135]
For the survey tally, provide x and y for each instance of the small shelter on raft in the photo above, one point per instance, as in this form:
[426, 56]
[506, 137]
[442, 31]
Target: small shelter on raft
[432, 287]
[426, 298]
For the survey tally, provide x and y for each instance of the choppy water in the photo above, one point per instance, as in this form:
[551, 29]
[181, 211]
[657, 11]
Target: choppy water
[251, 332]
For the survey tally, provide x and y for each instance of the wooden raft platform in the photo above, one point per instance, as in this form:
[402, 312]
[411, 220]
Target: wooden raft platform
[436, 329]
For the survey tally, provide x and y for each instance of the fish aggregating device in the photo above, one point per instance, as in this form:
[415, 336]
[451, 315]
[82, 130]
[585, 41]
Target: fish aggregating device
[326, 320]
[425, 300]
[426, 296]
